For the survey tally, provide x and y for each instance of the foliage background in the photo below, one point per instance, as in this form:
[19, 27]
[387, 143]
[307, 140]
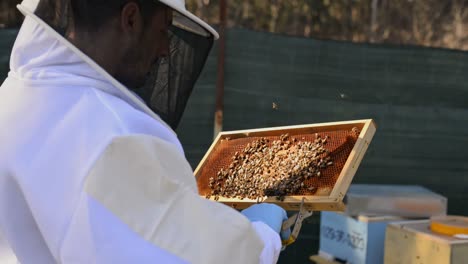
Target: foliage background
[434, 23]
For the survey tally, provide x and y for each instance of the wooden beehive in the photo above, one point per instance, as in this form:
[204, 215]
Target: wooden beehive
[347, 148]
[414, 242]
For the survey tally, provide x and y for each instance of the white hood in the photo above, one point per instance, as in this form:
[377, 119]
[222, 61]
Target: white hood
[38, 46]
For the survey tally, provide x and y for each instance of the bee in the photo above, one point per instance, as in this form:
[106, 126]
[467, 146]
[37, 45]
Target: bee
[275, 106]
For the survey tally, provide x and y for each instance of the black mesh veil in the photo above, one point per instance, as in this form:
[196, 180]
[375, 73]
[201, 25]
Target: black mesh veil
[172, 79]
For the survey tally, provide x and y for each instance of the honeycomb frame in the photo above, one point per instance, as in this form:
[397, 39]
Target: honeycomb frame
[331, 187]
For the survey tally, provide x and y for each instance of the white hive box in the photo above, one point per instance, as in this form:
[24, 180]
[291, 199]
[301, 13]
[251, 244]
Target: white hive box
[410, 201]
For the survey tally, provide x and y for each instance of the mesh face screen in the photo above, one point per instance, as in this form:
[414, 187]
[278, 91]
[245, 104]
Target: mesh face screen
[172, 79]
[340, 145]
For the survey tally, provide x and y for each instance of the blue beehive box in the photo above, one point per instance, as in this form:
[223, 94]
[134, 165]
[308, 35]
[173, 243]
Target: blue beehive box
[355, 240]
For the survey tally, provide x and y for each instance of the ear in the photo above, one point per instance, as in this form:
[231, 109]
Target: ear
[131, 20]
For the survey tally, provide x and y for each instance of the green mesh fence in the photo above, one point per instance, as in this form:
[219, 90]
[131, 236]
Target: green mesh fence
[417, 96]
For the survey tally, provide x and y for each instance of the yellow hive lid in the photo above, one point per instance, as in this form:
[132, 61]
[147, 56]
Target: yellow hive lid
[449, 225]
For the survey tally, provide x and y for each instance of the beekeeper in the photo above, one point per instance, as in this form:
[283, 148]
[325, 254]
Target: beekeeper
[91, 170]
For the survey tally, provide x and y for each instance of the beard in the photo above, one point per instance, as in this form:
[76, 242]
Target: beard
[131, 71]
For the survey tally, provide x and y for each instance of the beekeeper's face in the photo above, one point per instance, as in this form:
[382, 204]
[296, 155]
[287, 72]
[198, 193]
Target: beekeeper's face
[145, 39]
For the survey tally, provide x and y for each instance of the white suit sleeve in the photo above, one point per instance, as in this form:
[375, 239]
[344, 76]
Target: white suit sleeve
[145, 185]
[6, 253]
[271, 241]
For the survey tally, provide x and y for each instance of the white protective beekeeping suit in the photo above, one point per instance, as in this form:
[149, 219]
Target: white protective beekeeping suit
[89, 174]
[7, 256]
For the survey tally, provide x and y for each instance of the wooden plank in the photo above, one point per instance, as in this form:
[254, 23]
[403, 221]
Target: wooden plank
[354, 159]
[296, 130]
[380, 218]
[216, 142]
[292, 205]
[319, 260]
